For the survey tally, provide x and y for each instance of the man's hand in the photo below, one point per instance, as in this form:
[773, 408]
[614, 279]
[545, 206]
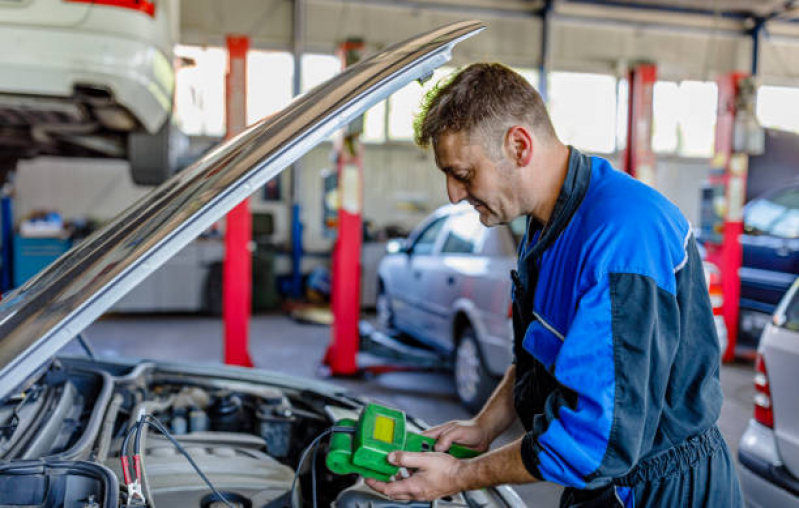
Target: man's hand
[436, 475]
[464, 432]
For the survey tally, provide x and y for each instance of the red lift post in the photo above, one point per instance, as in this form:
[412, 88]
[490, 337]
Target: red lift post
[728, 174]
[638, 159]
[342, 353]
[237, 267]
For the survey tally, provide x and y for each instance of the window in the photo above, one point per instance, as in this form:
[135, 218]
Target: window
[427, 240]
[777, 215]
[200, 91]
[269, 83]
[464, 232]
[404, 104]
[684, 118]
[531, 75]
[374, 123]
[777, 106]
[623, 94]
[583, 110]
[792, 313]
[318, 68]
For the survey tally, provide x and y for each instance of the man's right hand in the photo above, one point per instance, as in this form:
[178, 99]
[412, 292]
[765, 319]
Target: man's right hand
[468, 433]
[478, 433]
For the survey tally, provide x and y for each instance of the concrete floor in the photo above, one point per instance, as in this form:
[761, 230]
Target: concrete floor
[280, 344]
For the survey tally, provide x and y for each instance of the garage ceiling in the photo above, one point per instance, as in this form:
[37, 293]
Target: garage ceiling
[760, 8]
[741, 8]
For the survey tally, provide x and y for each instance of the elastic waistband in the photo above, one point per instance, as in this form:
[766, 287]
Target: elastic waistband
[679, 458]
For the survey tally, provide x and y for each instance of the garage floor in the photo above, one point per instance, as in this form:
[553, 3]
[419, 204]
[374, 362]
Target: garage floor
[280, 344]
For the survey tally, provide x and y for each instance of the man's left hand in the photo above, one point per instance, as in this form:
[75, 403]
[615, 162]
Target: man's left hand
[435, 475]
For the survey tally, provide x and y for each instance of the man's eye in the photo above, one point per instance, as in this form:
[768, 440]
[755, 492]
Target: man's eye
[461, 177]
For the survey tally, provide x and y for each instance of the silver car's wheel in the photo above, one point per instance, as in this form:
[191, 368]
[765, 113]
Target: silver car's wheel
[472, 380]
[385, 313]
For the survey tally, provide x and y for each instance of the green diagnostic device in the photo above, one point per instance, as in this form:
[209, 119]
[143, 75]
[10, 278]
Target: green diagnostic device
[378, 432]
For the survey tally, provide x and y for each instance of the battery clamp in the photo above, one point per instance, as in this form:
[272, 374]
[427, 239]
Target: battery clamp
[362, 446]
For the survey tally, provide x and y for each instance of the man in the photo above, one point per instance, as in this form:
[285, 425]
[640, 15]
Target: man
[615, 377]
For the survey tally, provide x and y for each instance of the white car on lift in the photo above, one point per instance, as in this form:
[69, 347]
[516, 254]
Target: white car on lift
[89, 78]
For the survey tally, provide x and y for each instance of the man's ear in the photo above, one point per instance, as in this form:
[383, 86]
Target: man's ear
[519, 145]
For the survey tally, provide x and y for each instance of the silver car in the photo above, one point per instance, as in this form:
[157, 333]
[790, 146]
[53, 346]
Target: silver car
[448, 285]
[65, 421]
[769, 449]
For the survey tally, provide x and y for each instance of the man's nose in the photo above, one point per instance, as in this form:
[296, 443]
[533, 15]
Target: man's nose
[455, 190]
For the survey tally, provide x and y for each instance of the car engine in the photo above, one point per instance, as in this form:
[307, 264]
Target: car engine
[61, 441]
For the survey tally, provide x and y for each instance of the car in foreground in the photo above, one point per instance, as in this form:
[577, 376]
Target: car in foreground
[448, 286]
[92, 79]
[769, 448]
[68, 424]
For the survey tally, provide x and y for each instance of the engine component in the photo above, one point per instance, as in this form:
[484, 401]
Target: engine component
[226, 413]
[180, 425]
[275, 419]
[198, 420]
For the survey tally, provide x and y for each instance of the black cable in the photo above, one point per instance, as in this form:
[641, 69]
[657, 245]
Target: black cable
[131, 430]
[154, 422]
[314, 444]
[139, 431]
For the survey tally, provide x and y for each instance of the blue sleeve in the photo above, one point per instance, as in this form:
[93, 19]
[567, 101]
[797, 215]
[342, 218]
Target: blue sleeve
[612, 370]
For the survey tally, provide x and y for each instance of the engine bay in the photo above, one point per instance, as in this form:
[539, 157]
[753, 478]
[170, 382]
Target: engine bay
[61, 441]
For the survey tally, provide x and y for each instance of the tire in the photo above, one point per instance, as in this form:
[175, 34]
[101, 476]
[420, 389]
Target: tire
[154, 157]
[473, 382]
[385, 312]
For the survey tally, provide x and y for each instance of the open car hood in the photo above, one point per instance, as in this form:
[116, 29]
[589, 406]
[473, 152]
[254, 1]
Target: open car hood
[40, 317]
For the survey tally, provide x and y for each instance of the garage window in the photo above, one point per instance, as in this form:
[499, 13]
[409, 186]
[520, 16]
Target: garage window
[684, 118]
[318, 68]
[404, 104]
[583, 110]
[777, 107]
[270, 76]
[200, 91]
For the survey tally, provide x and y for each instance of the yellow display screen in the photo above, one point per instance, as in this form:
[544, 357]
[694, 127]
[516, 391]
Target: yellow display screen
[384, 429]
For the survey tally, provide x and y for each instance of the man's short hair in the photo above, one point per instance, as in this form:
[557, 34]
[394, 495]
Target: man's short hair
[484, 99]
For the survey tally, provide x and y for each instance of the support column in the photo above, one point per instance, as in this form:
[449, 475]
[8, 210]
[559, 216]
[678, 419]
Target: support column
[638, 158]
[296, 170]
[543, 67]
[727, 180]
[237, 267]
[342, 354]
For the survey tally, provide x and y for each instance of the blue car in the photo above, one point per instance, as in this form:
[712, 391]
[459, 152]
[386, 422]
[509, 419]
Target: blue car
[770, 258]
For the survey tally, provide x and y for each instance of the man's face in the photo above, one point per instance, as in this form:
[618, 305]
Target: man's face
[473, 176]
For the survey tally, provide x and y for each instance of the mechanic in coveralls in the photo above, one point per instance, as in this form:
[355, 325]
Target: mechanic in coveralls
[616, 370]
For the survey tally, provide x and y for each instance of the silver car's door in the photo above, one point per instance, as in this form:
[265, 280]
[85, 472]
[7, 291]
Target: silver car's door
[421, 262]
[458, 270]
[780, 350]
[37, 319]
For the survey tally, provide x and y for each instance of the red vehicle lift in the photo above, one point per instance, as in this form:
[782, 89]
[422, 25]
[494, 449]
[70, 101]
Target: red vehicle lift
[237, 267]
[342, 353]
[356, 346]
[726, 193]
[638, 159]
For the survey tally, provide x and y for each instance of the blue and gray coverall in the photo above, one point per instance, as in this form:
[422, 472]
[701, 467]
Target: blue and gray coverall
[617, 358]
